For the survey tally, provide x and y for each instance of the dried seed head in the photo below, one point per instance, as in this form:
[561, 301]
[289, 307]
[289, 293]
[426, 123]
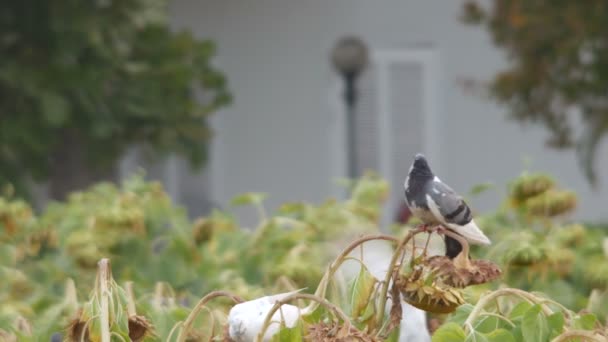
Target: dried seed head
[202, 230]
[525, 254]
[561, 261]
[527, 186]
[421, 290]
[571, 235]
[77, 332]
[139, 327]
[40, 240]
[333, 332]
[595, 272]
[552, 203]
[478, 272]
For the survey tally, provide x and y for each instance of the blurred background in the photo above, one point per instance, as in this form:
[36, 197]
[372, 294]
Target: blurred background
[215, 98]
[222, 101]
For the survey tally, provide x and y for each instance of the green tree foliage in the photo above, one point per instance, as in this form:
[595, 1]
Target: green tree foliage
[92, 78]
[559, 67]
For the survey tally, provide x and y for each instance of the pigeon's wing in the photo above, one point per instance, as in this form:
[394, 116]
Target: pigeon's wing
[451, 208]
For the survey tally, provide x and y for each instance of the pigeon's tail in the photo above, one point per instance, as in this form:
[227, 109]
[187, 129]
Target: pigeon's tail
[472, 233]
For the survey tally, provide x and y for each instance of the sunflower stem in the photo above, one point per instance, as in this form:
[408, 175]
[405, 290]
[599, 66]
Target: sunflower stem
[183, 333]
[319, 300]
[488, 298]
[335, 265]
[389, 274]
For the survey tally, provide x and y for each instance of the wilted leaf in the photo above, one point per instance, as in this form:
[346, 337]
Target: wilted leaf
[361, 291]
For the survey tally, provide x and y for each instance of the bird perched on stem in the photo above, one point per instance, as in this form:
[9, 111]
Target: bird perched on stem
[436, 204]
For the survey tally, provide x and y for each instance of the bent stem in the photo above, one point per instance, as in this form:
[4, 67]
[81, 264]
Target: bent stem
[399, 252]
[335, 265]
[183, 333]
[485, 300]
[319, 300]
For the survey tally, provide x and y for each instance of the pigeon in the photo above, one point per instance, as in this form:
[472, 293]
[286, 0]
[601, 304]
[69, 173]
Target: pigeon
[435, 203]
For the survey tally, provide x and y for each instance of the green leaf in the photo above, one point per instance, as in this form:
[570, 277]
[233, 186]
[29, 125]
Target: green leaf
[248, 198]
[534, 325]
[289, 334]
[556, 323]
[585, 321]
[449, 332]
[361, 291]
[476, 336]
[517, 334]
[500, 335]
[316, 315]
[489, 323]
[518, 311]
[461, 313]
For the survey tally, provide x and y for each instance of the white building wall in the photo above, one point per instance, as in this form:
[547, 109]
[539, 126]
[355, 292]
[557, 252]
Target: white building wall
[278, 136]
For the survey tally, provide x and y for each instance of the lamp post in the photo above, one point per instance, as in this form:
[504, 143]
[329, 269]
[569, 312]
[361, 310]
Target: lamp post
[350, 57]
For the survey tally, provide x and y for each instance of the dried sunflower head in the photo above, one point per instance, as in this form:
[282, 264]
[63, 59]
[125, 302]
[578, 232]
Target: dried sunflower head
[552, 203]
[139, 328]
[425, 291]
[525, 254]
[571, 235]
[202, 230]
[561, 260]
[78, 331]
[333, 332]
[595, 272]
[527, 186]
[477, 272]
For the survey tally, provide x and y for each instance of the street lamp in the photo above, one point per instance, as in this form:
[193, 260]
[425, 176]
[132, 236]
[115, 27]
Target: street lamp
[350, 57]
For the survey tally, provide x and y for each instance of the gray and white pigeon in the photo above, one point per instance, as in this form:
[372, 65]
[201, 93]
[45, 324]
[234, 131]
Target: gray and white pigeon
[435, 203]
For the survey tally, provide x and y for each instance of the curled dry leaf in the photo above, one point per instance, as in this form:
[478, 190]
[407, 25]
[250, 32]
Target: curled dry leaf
[478, 272]
[333, 332]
